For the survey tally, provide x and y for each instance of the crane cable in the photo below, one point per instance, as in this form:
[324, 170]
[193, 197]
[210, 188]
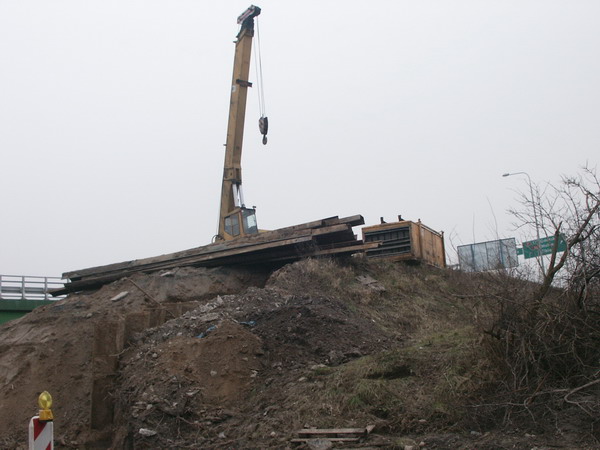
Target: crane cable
[263, 122]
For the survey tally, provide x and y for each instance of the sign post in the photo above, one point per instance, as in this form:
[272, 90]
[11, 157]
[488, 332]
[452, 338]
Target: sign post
[41, 427]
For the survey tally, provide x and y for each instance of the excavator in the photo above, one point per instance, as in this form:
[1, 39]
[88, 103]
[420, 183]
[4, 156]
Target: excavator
[235, 219]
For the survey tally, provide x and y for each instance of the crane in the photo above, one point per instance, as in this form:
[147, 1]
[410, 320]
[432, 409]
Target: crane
[235, 219]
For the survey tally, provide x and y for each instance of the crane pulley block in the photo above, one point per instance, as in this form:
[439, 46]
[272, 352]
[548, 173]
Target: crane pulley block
[263, 126]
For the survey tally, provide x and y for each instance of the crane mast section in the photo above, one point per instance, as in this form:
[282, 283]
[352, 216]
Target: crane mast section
[239, 93]
[231, 195]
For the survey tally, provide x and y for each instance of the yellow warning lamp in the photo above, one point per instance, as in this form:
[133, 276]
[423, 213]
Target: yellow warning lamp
[45, 402]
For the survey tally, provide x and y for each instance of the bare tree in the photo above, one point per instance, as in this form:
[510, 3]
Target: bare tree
[570, 210]
[548, 340]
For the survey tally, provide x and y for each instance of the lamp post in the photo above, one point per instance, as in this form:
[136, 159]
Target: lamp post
[537, 227]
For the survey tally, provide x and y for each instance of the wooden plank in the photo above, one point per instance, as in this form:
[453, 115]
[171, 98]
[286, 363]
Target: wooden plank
[249, 241]
[347, 243]
[289, 253]
[417, 241]
[218, 248]
[194, 260]
[329, 431]
[221, 249]
[346, 439]
[347, 249]
[210, 248]
[333, 220]
[330, 236]
[330, 239]
[352, 220]
[331, 229]
[303, 226]
[258, 255]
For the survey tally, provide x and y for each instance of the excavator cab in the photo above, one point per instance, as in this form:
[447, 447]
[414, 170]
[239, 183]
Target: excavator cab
[241, 222]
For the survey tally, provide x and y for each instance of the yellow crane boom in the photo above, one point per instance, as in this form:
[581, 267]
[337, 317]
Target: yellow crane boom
[235, 219]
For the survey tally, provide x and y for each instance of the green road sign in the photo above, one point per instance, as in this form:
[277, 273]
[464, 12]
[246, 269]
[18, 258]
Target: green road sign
[532, 249]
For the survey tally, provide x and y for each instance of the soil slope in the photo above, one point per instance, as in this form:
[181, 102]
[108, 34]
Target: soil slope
[233, 358]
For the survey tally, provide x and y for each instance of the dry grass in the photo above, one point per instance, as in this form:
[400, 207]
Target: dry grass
[446, 370]
[315, 277]
[426, 379]
[550, 355]
[423, 386]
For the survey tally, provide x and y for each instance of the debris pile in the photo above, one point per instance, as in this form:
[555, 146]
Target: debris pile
[198, 371]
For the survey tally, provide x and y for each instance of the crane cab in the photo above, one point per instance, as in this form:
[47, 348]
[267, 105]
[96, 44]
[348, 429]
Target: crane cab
[240, 222]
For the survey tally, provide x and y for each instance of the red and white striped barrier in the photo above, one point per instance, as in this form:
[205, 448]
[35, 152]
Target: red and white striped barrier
[41, 434]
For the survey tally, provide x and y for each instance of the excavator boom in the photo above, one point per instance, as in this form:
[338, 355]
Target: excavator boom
[234, 218]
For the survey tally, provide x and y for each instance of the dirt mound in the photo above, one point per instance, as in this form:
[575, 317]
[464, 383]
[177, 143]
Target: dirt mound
[192, 371]
[183, 379]
[232, 358]
[230, 353]
[316, 330]
[52, 348]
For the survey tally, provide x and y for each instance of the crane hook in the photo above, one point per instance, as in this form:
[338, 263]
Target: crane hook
[263, 126]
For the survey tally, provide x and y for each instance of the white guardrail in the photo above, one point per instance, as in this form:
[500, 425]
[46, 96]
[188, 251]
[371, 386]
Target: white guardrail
[22, 287]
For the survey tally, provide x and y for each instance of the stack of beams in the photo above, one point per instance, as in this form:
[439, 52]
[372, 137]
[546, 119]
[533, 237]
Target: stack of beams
[326, 237]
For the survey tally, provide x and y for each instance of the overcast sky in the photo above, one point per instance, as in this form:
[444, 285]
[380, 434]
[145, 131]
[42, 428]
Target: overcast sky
[113, 116]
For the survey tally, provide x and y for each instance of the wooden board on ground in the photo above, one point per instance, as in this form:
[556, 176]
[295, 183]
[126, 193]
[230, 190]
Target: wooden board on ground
[347, 440]
[347, 435]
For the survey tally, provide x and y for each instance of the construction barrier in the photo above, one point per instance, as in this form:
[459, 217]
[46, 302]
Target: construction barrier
[41, 434]
[41, 427]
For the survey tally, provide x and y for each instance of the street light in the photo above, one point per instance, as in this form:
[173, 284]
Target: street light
[537, 227]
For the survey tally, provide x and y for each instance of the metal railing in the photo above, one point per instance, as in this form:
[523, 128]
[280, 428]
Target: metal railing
[22, 287]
